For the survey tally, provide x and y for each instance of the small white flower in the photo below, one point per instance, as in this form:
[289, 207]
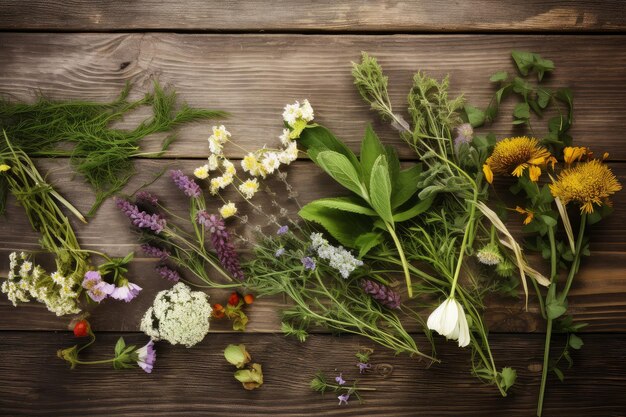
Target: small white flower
[449, 320]
[284, 138]
[202, 172]
[249, 187]
[213, 163]
[215, 146]
[220, 134]
[270, 162]
[227, 210]
[306, 111]
[229, 167]
[291, 113]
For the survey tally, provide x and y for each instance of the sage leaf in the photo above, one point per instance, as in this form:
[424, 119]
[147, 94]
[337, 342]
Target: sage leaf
[380, 187]
[339, 167]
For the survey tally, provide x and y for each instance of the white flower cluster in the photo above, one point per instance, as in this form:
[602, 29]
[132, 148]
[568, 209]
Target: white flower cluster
[27, 281]
[298, 112]
[178, 315]
[260, 163]
[338, 258]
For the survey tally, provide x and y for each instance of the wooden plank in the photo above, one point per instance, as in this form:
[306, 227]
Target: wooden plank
[597, 297]
[326, 15]
[198, 381]
[254, 76]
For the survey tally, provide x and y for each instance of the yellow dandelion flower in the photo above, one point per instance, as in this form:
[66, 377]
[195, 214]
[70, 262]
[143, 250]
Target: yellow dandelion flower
[530, 215]
[512, 156]
[572, 154]
[587, 183]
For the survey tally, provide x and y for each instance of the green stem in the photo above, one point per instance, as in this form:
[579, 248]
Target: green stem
[468, 230]
[544, 374]
[576, 263]
[405, 264]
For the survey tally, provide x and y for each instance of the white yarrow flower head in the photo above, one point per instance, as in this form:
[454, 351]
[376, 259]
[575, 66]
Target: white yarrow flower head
[213, 162]
[270, 162]
[284, 138]
[249, 187]
[291, 113]
[306, 111]
[449, 320]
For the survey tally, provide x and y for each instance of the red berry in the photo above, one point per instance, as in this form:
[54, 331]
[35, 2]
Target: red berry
[81, 329]
[218, 311]
[248, 299]
[233, 300]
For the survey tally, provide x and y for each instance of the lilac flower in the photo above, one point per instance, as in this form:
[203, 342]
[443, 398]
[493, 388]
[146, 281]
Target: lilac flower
[339, 379]
[363, 366]
[126, 292]
[189, 186]
[279, 252]
[100, 291]
[147, 198]
[146, 356]
[464, 134]
[140, 218]
[92, 278]
[155, 252]
[343, 399]
[282, 230]
[381, 293]
[308, 263]
[221, 243]
[168, 273]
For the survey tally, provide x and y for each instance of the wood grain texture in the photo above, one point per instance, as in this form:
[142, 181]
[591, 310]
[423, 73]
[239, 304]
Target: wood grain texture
[198, 381]
[325, 15]
[254, 76]
[598, 296]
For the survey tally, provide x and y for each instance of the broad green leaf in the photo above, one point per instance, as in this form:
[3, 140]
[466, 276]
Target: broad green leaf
[575, 342]
[499, 76]
[509, 375]
[371, 149]
[345, 227]
[521, 111]
[405, 185]
[524, 61]
[543, 97]
[344, 204]
[522, 87]
[339, 167]
[555, 309]
[119, 346]
[393, 163]
[380, 189]
[323, 139]
[368, 241]
[542, 66]
[475, 116]
[548, 220]
[417, 209]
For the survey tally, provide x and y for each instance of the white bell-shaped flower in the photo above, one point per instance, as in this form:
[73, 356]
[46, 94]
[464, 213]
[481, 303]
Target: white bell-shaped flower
[449, 320]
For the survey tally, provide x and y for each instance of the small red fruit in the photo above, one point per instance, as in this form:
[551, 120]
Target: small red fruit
[81, 329]
[233, 300]
[218, 311]
[248, 299]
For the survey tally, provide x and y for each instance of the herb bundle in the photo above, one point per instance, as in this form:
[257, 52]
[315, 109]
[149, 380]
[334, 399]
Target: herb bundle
[99, 152]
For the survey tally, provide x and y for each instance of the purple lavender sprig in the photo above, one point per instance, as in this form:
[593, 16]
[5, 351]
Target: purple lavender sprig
[140, 218]
[155, 252]
[381, 293]
[168, 273]
[146, 198]
[221, 243]
[189, 186]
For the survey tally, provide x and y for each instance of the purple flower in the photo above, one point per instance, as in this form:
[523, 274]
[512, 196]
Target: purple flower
[140, 218]
[381, 293]
[221, 243]
[146, 198]
[279, 252]
[189, 186]
[343, 399]
[340, 380]
[155, 252]
[308, 263]
[100, 291]
[146, 356]
[126, 292]
[363, 366]
[168, 273]
[464, 134]
[282, 230]
[92, 278]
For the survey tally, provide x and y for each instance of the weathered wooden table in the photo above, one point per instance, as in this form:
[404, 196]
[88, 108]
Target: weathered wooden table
[250, 59]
